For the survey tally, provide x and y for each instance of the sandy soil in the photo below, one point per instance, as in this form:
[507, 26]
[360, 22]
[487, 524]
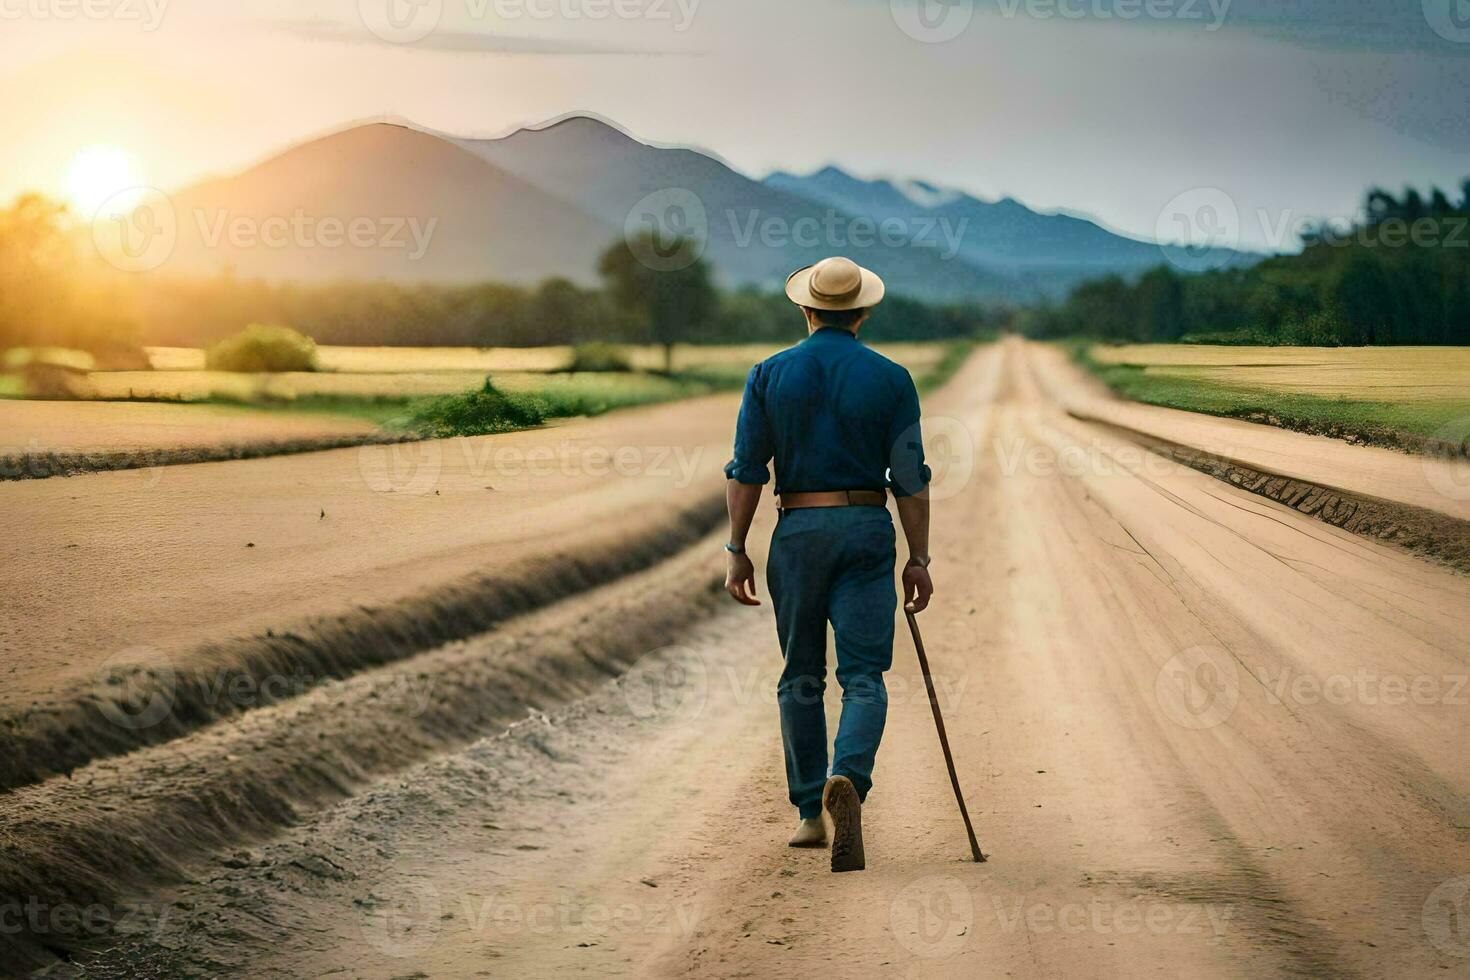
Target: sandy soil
[86, 427]
[1202, 734]
[168, 558]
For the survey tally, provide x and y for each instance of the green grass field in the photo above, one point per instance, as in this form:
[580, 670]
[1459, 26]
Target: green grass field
[1415, 399]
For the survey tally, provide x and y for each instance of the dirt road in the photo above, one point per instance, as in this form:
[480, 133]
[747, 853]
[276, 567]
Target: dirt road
[1202, 734]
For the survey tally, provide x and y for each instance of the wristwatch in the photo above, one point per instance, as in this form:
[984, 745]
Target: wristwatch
[921, 562]
[734, 550]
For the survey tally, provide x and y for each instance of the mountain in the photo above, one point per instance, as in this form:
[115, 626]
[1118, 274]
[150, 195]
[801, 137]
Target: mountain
[392, 202]
[383, 201]
[755, 233]
[1051, 252]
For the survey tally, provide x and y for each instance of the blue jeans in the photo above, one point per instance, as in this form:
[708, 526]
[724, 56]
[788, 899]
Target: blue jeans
[832, 563]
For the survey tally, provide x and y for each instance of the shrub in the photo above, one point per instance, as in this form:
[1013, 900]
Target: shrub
[478, 413]
[598, 356]
[263, 347]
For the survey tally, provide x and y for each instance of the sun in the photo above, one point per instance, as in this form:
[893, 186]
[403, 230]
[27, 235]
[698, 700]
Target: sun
[97, 174]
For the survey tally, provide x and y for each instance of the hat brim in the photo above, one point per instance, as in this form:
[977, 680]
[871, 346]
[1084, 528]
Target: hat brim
[799, 291]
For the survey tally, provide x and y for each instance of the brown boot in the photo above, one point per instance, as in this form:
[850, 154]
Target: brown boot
[840, 800]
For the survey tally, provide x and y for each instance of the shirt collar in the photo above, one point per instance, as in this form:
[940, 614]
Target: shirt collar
[829, 333]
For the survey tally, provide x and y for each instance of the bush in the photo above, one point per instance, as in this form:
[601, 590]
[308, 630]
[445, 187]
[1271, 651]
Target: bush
[478, 413]
[598, 356]
[263, 347]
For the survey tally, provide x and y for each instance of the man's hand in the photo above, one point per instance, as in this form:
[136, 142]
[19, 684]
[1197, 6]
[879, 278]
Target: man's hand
[917, 588]
[740, 579]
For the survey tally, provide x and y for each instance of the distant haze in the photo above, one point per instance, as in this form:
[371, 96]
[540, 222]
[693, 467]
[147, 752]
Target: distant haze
[1291, 111]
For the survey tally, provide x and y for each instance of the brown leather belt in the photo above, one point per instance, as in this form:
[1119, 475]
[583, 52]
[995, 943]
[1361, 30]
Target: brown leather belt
[833, 498]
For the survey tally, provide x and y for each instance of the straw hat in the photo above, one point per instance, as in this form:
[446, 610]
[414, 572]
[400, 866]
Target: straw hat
[834, 284]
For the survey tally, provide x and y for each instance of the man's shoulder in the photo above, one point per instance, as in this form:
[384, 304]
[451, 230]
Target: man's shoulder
[894, 373]
[884, 362]
[786, 356]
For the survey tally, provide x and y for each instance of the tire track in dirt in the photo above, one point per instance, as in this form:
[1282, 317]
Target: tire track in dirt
[1379, 767]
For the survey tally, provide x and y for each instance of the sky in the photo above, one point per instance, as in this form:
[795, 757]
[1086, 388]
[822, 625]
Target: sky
[1116, 109]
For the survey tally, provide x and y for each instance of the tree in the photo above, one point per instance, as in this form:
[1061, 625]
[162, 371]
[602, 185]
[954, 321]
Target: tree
[1160, 305]
[36, 270]
[556, 309]
[1381, 206]
[1361, 294]
[665, 286]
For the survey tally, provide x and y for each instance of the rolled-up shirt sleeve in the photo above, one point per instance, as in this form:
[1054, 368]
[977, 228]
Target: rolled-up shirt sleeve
[907, 472]
[754, 445]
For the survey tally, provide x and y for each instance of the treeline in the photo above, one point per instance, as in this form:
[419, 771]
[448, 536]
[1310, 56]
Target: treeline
[54, 291]
[1399, 275]
[196, 312]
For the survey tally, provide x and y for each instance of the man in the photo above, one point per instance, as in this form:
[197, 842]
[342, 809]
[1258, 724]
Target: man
[842, 423]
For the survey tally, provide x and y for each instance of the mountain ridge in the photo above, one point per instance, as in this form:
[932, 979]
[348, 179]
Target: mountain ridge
[546, 201]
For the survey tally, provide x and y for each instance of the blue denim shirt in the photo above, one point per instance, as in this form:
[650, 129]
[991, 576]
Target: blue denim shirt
[835, 415]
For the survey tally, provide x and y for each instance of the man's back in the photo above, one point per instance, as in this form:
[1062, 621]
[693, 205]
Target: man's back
[835, 415]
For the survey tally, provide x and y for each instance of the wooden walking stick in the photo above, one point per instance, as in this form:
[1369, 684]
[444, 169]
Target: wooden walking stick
[954, 778]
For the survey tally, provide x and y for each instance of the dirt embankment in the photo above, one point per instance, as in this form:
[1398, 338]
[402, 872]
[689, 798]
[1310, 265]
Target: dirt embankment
[120, 826]
[1418, 503]
[182, 557]
[564, 553]
[40, 439]
[1423, 531]
[129, 705]
[42, 464]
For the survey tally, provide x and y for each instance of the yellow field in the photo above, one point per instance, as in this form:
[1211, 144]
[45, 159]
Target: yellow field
[410, 372]
[395, 360]
[481, 360]
[1387, 374]
[200, 385]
